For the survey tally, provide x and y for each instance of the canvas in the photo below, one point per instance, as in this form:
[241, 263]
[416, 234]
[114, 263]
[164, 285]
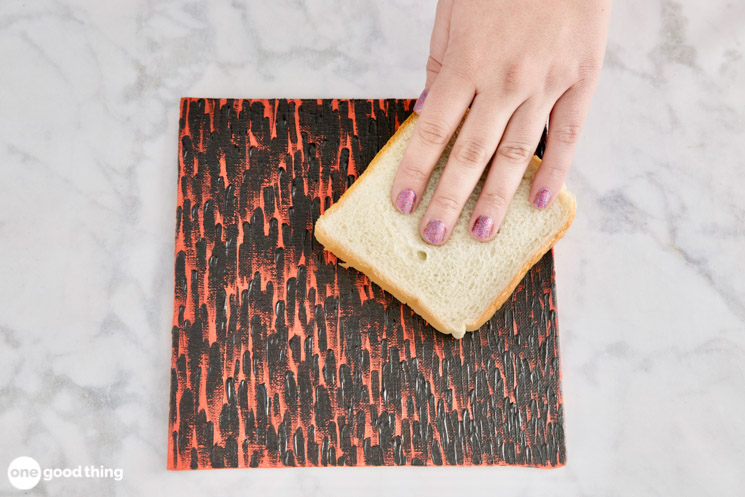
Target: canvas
[282, 357]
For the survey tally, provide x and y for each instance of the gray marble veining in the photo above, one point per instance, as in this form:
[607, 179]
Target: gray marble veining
[651, 276]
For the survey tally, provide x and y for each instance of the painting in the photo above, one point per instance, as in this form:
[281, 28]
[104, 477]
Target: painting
[282, 356]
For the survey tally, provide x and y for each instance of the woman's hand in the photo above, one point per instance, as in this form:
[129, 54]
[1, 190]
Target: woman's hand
[514, 63]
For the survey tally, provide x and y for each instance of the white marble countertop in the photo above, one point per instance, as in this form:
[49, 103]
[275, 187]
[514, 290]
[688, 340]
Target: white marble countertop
[650, 278]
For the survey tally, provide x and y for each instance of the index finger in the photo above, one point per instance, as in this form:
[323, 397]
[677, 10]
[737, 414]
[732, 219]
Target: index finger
[445, 105]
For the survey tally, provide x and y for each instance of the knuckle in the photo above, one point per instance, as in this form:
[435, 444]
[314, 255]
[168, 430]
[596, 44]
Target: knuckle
[416, 173]
[515, 76]
[494, 199]
[446, 202]
[557, 80]
[567, 134]
[588, 69]
[462, 65]
[551, 81]
[515, 152]
[471, 153]
[556, 173]
[433, 132]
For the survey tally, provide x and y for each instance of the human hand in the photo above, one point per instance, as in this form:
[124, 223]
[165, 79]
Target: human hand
[514, 63]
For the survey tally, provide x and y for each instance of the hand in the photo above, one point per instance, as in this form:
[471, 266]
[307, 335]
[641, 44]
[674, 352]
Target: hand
[514, 63]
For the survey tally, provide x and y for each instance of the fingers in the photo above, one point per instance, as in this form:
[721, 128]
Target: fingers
[471, 152]
[565, 124]
[447, 101]
[519, 141]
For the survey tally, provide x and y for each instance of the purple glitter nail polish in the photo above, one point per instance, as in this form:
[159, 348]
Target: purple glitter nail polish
[542, 198]
[420, 101]
[434, 233]
[482, 227]
[405, 201]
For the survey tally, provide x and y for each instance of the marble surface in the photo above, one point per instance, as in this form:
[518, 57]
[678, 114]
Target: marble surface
[649, 278]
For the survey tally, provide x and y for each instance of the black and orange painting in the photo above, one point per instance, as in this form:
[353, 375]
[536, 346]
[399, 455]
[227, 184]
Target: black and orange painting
[284, 357]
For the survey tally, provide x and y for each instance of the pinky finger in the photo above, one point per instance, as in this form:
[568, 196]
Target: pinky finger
[564, 127]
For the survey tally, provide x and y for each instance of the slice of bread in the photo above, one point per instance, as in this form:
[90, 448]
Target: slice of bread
[456, 286]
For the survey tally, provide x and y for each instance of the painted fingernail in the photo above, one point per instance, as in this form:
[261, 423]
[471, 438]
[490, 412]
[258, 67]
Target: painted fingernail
[420, 101]
[482, 227]
[405, 201]
[542, 198]
[434, 233]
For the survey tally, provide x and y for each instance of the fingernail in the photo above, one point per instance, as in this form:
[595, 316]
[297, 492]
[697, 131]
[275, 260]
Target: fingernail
[434, 233]
[420, 101]
[482, 227]
[542, 198]
[405, 201]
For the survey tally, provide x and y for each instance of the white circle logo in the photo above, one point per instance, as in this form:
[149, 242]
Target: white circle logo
[24, 472]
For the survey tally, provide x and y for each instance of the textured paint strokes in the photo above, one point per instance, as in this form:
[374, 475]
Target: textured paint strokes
[282, 357]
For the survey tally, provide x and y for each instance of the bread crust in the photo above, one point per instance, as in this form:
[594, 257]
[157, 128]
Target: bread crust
[346, 254]
[507, 292]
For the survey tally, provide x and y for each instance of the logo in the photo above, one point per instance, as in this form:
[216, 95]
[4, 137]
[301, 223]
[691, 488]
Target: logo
[24, 472]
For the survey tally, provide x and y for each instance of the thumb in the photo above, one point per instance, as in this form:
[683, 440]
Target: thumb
[439, 42]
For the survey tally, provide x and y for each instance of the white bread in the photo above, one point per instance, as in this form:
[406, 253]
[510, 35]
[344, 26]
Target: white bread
[459, 285]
